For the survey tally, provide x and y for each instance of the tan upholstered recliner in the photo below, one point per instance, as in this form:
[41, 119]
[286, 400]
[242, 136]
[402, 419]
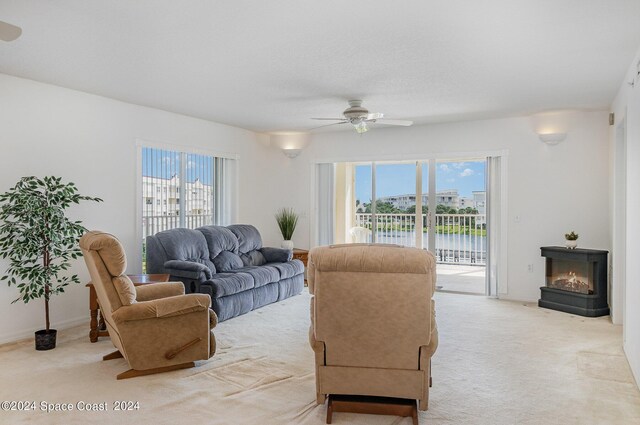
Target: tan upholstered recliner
[155, 327]
[373, 326]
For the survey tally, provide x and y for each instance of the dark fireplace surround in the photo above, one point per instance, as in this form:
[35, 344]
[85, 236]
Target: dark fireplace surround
[575, 281]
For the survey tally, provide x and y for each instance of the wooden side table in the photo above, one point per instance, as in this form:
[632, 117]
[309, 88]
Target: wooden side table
[302, 255]
[97, 327]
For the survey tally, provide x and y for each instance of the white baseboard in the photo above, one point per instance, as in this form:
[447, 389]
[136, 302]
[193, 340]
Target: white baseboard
[28, 333]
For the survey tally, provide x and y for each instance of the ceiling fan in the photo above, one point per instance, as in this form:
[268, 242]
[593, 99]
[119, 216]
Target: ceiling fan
[9, 32]
[358, 116]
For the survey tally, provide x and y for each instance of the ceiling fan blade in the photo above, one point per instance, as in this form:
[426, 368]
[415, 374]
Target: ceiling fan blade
[385, 121]
[9, 32]
[328, 125]
[329, 119]
[375, 116]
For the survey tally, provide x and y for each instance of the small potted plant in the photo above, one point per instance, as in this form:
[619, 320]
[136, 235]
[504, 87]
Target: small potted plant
[40, 241]
[287, 220]
[571, 240]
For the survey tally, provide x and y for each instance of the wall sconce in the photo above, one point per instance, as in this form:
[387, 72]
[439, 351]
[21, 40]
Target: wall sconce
[291, 143]
[552, 138]
[291, 153]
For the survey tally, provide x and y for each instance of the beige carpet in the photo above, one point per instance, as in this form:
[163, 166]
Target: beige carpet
[498, 363]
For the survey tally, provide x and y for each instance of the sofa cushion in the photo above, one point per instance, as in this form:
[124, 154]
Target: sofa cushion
[227, 261]
[223, 284]
[288, 269]
[253, 258]
[277, 255]
[249, 244]
[262, 275]
[185, 245]
[219, 239]
[249, 238]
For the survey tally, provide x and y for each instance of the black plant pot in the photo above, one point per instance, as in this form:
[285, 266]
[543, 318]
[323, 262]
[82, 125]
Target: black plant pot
[46, 339]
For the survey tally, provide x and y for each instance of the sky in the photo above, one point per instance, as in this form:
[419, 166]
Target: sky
[165, 164]
[400, 179]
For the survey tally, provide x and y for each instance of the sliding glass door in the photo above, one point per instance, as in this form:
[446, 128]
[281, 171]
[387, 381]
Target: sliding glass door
[362, 229]
[439, 205]
[394, 216]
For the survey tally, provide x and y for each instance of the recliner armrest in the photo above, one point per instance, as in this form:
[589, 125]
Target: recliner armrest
[187, 269]
[276, 255]
[153, 291]
[163, 307]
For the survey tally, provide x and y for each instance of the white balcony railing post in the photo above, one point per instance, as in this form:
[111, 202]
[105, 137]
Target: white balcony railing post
[158, 223]
[460, 238]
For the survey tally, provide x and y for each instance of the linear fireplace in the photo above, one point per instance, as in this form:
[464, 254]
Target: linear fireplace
[576, 281]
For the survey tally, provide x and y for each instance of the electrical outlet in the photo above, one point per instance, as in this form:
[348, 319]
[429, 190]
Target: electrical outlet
[530, 268]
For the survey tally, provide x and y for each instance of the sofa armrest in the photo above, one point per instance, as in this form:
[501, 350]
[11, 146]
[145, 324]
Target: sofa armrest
[187, 269]
[163, 307]
[277, 255]
[153, 291]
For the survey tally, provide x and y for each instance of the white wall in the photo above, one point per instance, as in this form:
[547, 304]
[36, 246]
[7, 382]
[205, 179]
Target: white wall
[90, 140]
[626, 106]
[554, 189]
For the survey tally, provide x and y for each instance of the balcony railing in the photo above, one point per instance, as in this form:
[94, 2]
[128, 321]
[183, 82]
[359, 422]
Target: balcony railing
[459, 238]
[157, 223]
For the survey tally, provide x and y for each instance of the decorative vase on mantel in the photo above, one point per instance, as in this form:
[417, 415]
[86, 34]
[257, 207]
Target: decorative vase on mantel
[571, 240]
[288, 244]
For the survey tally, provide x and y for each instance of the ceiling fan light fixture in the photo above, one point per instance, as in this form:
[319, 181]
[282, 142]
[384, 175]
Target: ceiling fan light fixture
[358, 117]
[361, 127]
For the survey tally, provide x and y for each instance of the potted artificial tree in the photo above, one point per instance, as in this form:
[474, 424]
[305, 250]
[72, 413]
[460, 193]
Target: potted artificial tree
[571, 240]
[287, 220]
[40, 241]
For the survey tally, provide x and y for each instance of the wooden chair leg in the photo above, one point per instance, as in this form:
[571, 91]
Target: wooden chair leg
[115, 355]
[414, 414]
[132, 373]
[329, 410]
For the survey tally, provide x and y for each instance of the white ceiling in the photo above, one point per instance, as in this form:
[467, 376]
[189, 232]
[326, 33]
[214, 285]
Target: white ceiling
[271, 65]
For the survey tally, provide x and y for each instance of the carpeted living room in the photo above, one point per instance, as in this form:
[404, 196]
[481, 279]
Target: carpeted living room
[319, 212]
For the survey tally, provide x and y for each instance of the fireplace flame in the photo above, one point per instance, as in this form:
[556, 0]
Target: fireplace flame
[570, 281]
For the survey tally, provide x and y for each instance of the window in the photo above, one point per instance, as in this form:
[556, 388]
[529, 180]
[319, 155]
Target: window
[190, 190]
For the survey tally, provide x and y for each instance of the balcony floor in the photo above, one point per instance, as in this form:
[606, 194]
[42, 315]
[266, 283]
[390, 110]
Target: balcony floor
[461, 278]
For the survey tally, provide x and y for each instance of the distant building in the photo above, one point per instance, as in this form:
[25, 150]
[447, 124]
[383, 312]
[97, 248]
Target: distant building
[480, 201]
[400, 201]
[161, 197]
[449, 198]
[466, 202]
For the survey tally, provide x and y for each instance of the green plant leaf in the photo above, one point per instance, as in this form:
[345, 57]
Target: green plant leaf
[287, 220]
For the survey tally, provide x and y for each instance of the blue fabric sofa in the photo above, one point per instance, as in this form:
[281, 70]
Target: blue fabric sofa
[228, 263]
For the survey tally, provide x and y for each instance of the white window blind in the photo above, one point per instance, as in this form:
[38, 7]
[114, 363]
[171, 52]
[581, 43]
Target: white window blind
[182, 189]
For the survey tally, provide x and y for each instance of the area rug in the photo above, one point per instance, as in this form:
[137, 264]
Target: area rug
[499, 362]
